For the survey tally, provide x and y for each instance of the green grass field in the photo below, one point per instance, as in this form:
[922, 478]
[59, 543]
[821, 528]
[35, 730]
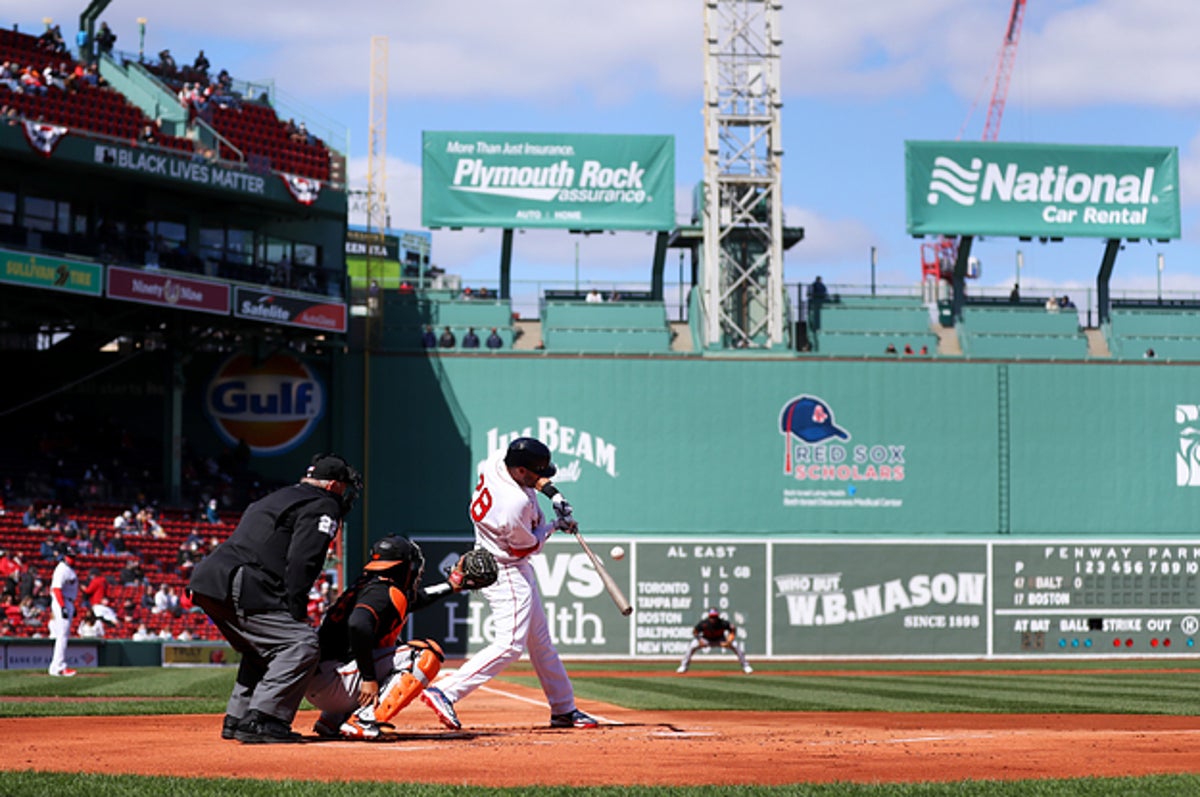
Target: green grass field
[1166, 687]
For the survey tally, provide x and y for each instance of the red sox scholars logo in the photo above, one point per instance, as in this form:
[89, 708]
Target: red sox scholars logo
[816, 451]
[272, 405]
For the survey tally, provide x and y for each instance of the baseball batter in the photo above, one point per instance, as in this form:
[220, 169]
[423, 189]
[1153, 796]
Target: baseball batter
[64, 588]
[510, 524]
[364, 677]
[714, 631]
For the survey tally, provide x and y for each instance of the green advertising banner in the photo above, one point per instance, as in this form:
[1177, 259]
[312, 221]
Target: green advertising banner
[39, 271]
[1044, 190]
[550, 180]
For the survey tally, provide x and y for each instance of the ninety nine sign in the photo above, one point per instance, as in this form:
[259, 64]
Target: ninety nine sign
[1044, 190]
[151, 287]
[291, 310]
[553, 180]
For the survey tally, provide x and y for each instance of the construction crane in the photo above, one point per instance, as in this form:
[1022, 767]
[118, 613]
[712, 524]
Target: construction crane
[938, 259]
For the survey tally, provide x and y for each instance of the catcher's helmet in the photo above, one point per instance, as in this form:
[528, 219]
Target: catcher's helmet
[348, 483]
[532, 454]
[399, 559]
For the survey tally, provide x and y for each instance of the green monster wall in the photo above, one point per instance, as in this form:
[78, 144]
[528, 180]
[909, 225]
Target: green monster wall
[696, 446]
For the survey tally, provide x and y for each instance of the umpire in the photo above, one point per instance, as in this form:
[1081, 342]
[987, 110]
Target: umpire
[255, 588]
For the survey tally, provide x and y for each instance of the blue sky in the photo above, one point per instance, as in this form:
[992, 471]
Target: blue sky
[859, 77]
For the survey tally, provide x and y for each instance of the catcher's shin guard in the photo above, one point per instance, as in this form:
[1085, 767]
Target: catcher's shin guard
[404, 685]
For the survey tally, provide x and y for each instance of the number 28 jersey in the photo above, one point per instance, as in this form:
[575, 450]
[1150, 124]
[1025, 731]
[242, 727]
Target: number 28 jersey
[508, 521]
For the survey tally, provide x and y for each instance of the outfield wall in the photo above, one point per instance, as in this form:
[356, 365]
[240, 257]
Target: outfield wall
[696, 446]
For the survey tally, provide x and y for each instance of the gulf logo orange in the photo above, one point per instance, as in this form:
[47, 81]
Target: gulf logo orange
[272, 405]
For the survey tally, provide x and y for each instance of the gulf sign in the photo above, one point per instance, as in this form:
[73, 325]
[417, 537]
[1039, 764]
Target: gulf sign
[272, 405]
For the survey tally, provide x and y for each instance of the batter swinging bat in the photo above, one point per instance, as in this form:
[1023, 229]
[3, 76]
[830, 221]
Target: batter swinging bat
[610, 584]
[563, 509]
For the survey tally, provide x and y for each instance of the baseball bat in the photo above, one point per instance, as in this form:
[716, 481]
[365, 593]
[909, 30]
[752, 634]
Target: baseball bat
[563, 509]
[610, 584]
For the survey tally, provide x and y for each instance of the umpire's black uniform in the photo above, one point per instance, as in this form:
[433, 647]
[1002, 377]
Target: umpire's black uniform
[255, 588]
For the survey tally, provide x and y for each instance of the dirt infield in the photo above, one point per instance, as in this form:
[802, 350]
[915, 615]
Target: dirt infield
[506, 743]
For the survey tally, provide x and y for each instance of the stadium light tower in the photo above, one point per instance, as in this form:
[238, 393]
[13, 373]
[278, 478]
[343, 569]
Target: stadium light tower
[377, 216]
[743, 202]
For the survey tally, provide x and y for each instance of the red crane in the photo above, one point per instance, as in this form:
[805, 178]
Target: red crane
[937, 259]
[1004, 65]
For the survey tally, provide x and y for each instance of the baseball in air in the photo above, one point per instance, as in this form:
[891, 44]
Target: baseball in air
[617, 552]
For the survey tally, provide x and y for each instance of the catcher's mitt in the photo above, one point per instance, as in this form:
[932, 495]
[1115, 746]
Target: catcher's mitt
[475, 569]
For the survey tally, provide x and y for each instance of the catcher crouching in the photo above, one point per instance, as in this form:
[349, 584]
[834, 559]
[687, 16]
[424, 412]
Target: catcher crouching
[365, 676]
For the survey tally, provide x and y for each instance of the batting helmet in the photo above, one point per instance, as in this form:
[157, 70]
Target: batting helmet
[531, 454]
[399, 559]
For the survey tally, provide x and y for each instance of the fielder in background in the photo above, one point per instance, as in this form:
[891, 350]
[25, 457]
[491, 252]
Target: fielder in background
[365, 678]
[64, 588]
[510, 524]
[714, 631]
[255, 587]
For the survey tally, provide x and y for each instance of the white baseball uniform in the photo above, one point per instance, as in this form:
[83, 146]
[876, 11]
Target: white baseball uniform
[66, 581]
[510, 524]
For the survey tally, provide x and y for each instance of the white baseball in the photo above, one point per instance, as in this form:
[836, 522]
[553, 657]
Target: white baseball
[617, 552]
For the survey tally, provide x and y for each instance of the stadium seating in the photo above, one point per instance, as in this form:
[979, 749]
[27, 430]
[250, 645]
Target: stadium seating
[1021, 332]
[1173, 333]
[92, 108]
[158, 557]
[605, 327]
[406, 316]
[865, 326]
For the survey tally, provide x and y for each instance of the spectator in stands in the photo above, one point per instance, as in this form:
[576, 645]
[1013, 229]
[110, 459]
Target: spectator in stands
[1065, 302]
[105, 39]
[92, 76]
[10, 572]
[105, 612]
[406, 288]
[484, 293]
[447, 340]
[817, 292]
[167, 63]
[1150, 354]
[189, 555]
[166, 601]
[131, 574]
[594, 297]
[467, 293]
[142, 634]
[470, 340]
[428, 339]
[31, 82]
[90, 626]
[55, 78]
[615, 296]
[1015, 295]
[51, 40]
[494, 341]
[123, 523]
[924, 350]
[201, 64]
[211, 515]
[908, 349]
[891, 349]
[148, 136]
[95, 590]
[1051, 305]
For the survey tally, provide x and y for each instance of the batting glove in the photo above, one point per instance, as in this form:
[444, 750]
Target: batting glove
[566, 523]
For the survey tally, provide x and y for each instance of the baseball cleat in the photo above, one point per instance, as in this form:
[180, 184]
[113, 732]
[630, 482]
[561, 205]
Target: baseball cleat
[747, 669]
[65, 672]
[442, 707]
[681, 669]
[359, 728]
[229, 726]
[572, 719]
